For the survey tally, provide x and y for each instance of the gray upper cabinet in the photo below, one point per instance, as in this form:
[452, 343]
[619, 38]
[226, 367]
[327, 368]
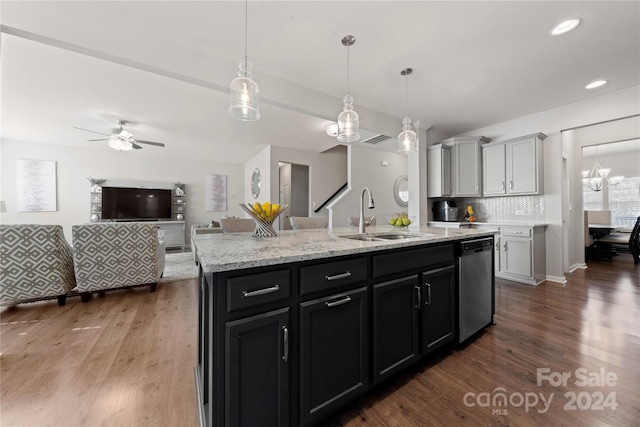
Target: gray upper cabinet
[466, 168]
[513, 167]
[439, 171]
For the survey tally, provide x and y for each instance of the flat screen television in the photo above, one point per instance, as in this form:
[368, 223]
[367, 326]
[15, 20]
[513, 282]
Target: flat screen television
[131, 204]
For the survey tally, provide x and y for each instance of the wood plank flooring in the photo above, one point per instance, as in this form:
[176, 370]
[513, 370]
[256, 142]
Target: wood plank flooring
[127, 358]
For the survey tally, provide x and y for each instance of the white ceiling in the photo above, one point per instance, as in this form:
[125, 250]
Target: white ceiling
[166, 66]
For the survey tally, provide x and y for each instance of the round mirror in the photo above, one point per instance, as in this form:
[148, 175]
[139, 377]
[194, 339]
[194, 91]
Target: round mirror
[255, 183]
[401, 190]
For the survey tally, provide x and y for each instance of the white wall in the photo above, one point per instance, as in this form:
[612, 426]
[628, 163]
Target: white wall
[367, 171]
[552, 122]
[75, 164]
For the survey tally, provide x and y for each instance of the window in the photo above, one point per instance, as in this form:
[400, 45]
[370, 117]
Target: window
[624, 202]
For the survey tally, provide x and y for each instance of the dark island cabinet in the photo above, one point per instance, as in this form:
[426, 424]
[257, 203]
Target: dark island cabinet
[396, 309]
[257, 370]
[438, 314]
[334, 339]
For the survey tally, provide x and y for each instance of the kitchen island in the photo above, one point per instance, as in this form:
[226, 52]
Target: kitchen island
[291, 328]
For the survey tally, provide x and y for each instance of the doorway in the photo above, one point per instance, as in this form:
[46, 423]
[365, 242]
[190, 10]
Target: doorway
[294, 191]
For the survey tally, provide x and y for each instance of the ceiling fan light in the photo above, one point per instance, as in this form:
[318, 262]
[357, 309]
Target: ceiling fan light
[595, 84]
[120, 144]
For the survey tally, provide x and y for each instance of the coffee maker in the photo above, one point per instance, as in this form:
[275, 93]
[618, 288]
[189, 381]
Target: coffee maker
[445, 210]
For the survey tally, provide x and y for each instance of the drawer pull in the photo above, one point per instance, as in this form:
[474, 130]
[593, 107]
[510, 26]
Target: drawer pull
[339, 302]
[272, 289]
[285, 344]
[428, 302]
[338, 276]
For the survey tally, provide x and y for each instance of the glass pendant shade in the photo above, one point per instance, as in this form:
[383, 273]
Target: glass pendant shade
[348, 122]
[407, 140]
[244, 95]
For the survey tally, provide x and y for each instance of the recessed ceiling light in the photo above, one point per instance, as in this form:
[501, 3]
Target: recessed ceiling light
[595, 84]
[565, 27]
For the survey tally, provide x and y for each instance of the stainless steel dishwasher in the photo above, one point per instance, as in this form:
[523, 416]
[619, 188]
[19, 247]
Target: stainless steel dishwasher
[475, 286]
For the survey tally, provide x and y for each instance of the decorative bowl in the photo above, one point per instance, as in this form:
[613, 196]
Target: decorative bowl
[264, 215]
[394, 221]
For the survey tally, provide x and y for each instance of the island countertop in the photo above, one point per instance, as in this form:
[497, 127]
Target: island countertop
[224, 252]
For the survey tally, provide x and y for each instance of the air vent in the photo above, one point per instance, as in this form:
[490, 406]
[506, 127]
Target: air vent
[376, 139]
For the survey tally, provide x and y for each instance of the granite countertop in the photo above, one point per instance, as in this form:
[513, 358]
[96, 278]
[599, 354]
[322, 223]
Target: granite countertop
[232, 251]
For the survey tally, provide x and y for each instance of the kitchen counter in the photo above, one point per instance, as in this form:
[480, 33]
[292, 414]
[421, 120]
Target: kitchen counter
[225, 252]
[496, 223]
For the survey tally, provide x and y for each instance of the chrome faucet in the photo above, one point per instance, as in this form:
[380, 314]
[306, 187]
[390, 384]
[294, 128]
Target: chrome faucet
[371, 206]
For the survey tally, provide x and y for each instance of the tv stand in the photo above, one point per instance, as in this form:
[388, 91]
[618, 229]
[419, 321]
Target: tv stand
[174, 233]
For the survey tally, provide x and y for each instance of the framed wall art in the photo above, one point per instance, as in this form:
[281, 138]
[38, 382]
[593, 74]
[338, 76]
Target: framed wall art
[36, 182]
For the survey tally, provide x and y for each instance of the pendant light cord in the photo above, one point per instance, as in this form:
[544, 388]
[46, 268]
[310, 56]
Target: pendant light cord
[246, 12]
[406, 109]
[348, 76]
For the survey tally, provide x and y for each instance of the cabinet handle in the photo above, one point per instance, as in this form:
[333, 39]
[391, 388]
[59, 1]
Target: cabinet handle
[285, 344]
[502, 185]
[247, 294]
[338, 276]
[517, 232]
[419, 304]
[510, 185]
[339, 302]
[477, 188]
[505, 246]
[428, 302]
[497, 246]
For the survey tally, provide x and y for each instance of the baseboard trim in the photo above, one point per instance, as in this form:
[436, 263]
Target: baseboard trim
[581, 265]
[556, 279]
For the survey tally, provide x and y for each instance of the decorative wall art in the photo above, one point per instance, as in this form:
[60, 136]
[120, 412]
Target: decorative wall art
[36, 182]
[215, 191]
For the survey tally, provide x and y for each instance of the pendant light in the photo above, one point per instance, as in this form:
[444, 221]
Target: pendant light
[598, 177]
[245, 93]
[407, 140]
[348, 119]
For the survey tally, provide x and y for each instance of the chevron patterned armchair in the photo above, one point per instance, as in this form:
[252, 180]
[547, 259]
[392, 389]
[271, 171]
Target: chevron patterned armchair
[35, 263]
[116, 255]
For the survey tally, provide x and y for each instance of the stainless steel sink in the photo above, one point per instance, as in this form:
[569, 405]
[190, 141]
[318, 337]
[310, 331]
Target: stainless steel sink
[382, 237]
[362, 237]
[397, 236]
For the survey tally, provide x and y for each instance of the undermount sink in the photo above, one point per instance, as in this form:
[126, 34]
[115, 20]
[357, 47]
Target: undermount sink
[381, 237]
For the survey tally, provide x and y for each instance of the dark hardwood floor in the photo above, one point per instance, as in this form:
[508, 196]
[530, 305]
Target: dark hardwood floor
[126, 359]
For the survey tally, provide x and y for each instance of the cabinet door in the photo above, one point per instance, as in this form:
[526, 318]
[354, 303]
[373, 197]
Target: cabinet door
[439, 171]
[522, 167]
[257, 370]
[516, 256]
[438, 314]
[447, 187]
[467, 168]
[334, 356]
[493, 170]
[396, 308]
[496, 253]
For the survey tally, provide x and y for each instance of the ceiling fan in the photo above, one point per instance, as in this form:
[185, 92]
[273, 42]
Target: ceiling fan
[121, 139]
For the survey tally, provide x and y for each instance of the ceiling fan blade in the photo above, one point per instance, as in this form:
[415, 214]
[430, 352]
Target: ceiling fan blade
[101, 139]
[159, 144]
[92, 131]
[136, 146]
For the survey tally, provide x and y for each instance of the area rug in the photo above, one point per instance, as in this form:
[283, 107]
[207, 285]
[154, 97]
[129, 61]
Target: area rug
[179, 266]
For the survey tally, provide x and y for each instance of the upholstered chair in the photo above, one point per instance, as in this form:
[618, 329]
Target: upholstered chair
[116, 255]
[305, 222]
[237, 225]
[35, 263]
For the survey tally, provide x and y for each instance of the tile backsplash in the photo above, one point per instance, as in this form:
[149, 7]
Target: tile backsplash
[496, 209]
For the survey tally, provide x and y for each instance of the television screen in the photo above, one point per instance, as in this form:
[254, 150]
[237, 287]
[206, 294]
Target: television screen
[122, 204]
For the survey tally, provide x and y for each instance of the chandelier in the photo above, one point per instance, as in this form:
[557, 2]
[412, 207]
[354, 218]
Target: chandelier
[598, 177]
